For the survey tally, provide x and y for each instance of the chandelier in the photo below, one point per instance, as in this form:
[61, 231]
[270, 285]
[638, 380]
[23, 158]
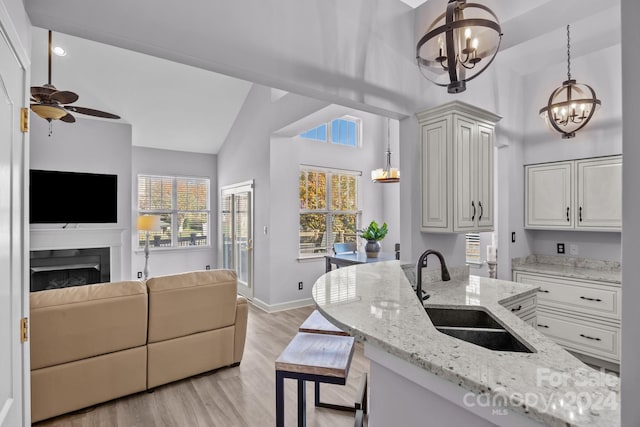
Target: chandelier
[386, 174]
[459, 45]
[571, 106]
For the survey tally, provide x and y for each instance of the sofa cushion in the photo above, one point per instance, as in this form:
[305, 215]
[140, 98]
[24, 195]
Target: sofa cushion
[78, 322]
[188, 303]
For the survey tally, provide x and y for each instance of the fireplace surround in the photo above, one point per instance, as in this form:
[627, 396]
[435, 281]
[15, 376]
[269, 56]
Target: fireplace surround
[61, 268]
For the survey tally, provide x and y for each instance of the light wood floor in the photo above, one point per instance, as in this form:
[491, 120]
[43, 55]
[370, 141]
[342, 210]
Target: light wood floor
[230, 397]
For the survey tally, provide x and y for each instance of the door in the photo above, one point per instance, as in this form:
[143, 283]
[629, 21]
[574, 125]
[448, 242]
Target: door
[236, 217]
[466, 209]
[435, 176]
[599, 194]
[484, 163]
[548, 196]
[13, 354]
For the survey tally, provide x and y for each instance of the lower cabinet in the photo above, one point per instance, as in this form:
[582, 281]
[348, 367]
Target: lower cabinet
[524, 308]
[581, 315]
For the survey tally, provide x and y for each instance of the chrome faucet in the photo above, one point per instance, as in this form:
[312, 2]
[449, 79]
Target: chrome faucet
[422, 262]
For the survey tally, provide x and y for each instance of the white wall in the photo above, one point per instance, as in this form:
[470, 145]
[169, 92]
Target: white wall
[630, 368]
[245, 156]
[286, 156]
[88, 145]
[174, 163]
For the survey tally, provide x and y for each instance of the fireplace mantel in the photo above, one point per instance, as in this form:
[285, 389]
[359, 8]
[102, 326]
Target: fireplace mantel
[78, 238]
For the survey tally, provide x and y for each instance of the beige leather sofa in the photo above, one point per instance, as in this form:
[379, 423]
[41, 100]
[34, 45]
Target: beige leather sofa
[94, 343]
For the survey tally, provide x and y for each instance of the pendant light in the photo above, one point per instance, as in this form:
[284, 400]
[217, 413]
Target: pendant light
[459, 45]
[386, 174]
[570, 106]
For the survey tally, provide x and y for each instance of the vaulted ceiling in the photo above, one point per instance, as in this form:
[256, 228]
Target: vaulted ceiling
[180, 74]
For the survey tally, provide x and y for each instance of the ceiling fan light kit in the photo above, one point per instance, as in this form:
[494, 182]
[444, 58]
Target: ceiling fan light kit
[459, 45]
[570, 106]
[50, 103]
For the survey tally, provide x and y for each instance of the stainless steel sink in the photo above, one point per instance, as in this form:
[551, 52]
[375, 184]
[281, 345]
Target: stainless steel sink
[476, 327]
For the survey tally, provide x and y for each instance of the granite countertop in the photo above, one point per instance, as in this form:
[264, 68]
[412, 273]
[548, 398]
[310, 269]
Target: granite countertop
[376, 304]
[570, 267]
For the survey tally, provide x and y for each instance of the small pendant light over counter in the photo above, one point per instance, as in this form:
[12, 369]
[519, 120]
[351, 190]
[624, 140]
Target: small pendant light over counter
[386, 174]
[570, 106]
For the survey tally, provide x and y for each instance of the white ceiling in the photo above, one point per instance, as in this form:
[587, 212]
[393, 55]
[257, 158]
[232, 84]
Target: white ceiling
[170, 105]
[182, 107]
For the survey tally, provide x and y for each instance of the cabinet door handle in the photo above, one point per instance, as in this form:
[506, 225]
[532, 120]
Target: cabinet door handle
[580, 213]
[544, 291]
[568, 220]
[518, 308]
[591, 299]
[473, 217]
[540, 325]
[590, 338]
[481, 210]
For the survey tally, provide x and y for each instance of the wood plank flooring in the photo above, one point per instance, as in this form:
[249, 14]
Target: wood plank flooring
[230, 397]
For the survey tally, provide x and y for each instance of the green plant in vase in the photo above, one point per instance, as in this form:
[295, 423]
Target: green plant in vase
[373, 234]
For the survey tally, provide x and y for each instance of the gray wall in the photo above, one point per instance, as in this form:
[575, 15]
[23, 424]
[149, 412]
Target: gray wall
[89, 145]
[176, 163]
[630, 368]
[261, 147]
[286, 156]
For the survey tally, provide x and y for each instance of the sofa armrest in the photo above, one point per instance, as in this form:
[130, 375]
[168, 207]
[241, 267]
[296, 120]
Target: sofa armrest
[242, 313]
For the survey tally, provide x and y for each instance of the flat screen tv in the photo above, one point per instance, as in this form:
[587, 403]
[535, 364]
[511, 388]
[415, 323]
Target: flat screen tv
[72, 197]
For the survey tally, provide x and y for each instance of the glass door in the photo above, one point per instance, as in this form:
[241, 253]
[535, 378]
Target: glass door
[236, 216]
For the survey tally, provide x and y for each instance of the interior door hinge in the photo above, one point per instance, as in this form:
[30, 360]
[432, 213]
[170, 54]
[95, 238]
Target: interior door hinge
[24, 120]
[24, 329]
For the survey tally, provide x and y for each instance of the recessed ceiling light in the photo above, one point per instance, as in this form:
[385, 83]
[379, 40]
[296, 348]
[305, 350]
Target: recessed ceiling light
[59, 51]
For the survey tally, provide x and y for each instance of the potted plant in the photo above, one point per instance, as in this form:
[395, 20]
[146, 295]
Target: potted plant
[373, 234]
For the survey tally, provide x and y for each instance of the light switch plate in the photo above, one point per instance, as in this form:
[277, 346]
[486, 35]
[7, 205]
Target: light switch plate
[573, 249]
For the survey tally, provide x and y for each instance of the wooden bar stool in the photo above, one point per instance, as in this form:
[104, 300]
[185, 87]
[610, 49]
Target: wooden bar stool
[322, 358]
[316, 323]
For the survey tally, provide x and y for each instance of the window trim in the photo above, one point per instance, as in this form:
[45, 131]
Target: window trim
[327, 210]
[174, 212]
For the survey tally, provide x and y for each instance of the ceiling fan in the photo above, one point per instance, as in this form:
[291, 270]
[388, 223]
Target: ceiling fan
[52, 104]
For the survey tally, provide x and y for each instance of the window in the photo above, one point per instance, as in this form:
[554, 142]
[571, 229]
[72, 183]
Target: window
[328, 209]
[343, 131]
[183, 206]
[472, 245]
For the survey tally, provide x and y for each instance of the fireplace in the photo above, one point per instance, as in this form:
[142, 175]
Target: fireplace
[62, 268]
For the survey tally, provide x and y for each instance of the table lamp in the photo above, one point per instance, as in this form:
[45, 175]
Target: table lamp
[148, 223]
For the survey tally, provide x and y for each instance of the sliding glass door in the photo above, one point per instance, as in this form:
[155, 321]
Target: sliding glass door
[236, 216]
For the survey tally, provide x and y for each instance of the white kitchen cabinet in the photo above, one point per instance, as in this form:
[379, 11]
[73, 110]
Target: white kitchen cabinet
[457, 168]
[581, 194]
[599, 194]
[581, 315]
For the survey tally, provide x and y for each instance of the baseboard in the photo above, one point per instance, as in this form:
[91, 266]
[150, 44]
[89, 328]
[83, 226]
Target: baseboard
[272, 308]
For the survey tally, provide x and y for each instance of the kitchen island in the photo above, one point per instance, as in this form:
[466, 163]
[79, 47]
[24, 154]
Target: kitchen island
[420, 376]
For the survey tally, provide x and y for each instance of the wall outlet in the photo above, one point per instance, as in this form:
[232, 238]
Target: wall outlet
[513, 237]
[139, 274]
[207, 267]
[560, 248]
[573, 249]
[300, 286]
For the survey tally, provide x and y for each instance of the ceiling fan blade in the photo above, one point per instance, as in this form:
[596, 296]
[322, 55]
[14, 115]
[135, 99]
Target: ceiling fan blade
[40, 91]
[68, 118]
[64, 97]
[91, 112]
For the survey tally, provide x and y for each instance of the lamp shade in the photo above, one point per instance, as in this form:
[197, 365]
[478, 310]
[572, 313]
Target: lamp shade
[148, 223]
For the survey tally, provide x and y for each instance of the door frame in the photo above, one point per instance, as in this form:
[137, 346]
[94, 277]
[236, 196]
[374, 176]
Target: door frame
[240, 187]
[19, 206]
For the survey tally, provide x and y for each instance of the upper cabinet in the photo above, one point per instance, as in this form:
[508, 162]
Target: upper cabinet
[581, 194]
[457, 168]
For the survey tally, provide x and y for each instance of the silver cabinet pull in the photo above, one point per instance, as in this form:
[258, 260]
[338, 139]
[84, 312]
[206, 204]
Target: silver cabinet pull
[590, 338]
[591, 299]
